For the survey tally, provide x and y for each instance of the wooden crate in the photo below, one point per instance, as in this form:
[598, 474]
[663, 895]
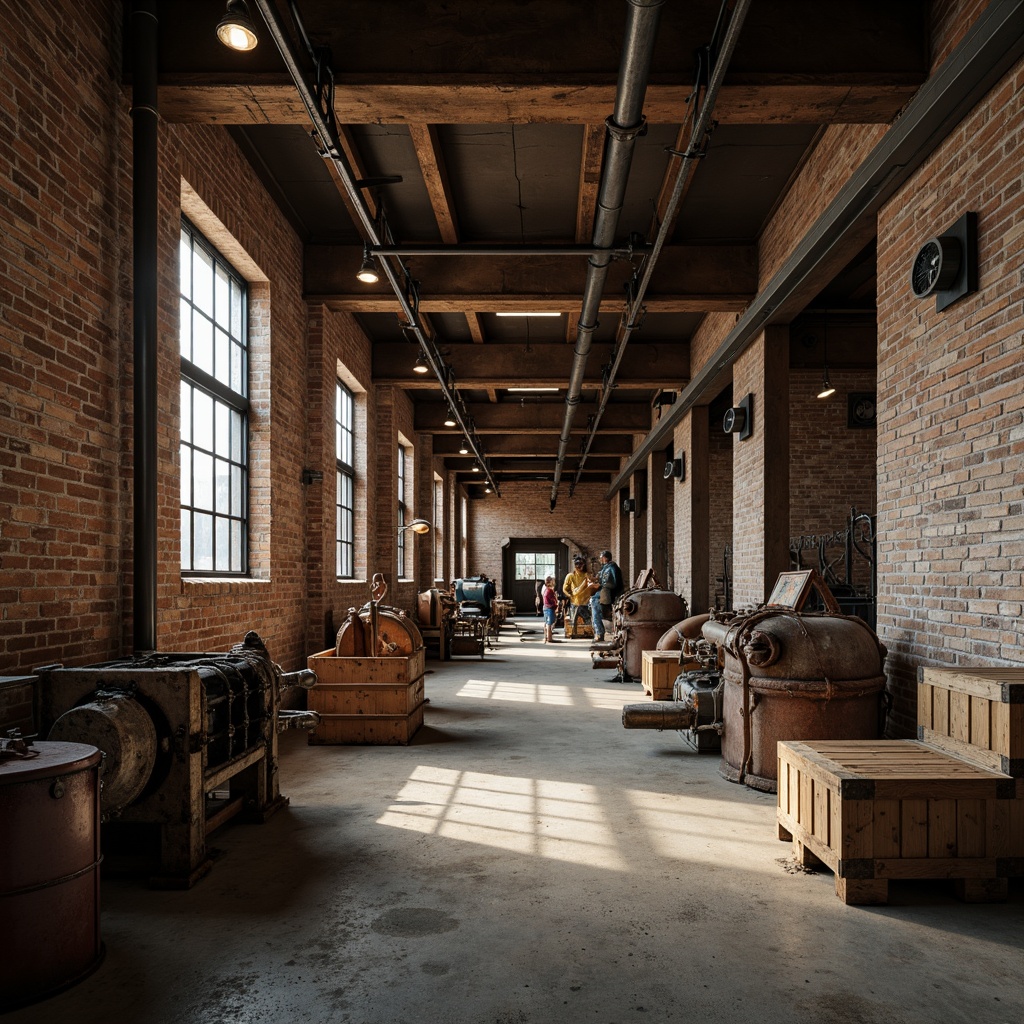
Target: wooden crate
[658, 672]
[976, 714]
[897, 809]
[366, 700]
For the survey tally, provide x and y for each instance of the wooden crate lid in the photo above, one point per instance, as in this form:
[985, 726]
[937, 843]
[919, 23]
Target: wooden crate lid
[894, 770]
[1002, 684]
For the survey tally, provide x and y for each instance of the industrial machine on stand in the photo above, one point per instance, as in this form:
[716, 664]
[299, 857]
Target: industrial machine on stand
[774, 673]
[639, 617]
[188, 741]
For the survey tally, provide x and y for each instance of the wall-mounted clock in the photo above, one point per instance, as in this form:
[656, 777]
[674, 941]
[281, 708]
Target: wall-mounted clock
[740, 418]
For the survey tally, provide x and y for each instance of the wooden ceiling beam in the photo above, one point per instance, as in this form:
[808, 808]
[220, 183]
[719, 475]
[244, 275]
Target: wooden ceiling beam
[702, 277]
[832, 98]
[627, 418]
[529, 445]
[646, 365]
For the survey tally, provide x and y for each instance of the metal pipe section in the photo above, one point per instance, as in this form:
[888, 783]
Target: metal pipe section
[625, 124]
[144, 302]
[469, 249]
[660, 714]
[694, 152]
[991, 46]
[395, 271]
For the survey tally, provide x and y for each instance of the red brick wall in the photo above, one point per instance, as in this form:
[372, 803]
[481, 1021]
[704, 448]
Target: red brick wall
[720, 507]
[524, 510]
[63, 505]
[951, 411]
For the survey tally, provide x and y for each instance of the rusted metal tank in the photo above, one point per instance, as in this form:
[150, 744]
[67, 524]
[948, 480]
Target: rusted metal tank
[686, 629]
[642, 616]
[49, 870]
[794, 676]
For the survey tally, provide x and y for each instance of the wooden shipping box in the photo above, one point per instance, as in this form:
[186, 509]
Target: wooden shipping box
[658, 672]
[367, 700]
[875, 810]
[976, 714]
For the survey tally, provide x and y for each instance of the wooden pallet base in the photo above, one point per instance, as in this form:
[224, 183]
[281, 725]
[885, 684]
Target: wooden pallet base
[879, 811]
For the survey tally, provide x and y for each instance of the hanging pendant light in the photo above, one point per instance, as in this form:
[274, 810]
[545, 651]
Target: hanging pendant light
[236, 29]
[826, 386]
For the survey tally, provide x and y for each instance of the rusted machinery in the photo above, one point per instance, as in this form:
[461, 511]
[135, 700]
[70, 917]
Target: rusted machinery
[436, 611]
[784, 675]
[640, 617]
[189, 741]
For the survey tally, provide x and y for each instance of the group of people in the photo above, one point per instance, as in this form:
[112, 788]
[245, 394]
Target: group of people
[584, 590]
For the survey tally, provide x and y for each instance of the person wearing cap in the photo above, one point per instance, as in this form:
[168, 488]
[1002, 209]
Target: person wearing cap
[578, 587]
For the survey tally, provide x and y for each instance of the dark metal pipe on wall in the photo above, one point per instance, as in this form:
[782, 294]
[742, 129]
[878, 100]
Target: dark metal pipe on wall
[144, 302]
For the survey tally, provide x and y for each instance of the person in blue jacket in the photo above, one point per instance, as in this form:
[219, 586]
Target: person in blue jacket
[601, 601]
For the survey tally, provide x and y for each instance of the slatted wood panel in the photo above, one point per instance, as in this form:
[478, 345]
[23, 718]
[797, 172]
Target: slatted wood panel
[367, 700]
[976, 714]
[879, 810]
[658, 672]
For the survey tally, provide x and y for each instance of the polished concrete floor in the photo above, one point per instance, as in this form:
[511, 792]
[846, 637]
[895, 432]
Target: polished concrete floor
[527, 860]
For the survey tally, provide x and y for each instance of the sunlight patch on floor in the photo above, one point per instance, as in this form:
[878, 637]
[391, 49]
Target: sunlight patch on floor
[557, 820]
[522, 693]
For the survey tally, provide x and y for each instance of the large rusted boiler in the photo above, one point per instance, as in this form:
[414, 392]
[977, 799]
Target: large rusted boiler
[794, 676]
[781, 674]
[641, 616]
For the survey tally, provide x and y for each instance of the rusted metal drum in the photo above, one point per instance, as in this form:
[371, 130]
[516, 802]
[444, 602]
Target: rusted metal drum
[792, 676]
[642, 617]
[119, 726]
[49, 870]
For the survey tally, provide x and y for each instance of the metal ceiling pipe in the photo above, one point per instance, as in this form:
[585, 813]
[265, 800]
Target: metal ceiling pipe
[625, 124]
[144, 316]
[472, 249]
[702, 126]
[398, 278]
[989, 49]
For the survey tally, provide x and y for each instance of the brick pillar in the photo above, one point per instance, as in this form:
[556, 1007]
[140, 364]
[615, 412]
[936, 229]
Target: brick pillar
[692, 519]
[761, 469]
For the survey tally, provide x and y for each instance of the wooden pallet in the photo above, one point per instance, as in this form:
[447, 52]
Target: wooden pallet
[873, 811]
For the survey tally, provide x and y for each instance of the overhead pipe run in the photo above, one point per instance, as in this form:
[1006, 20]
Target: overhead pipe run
[702, 127]
[318, 104]
[991, 46]
[625, 124]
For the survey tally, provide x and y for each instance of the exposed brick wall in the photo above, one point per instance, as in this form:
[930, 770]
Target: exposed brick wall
[524, 510]
[761, 469]
[337, 350]
[720, 507]
[841, 149]
[831, 465]
[63, 509]
[951, 411]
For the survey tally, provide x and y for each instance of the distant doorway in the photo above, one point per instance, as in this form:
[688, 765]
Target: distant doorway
[526, 562]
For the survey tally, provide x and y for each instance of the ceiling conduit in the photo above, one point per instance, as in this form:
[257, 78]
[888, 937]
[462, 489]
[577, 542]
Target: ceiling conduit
[625, 124]
[394, 269]
[989, 49]
[720, 53]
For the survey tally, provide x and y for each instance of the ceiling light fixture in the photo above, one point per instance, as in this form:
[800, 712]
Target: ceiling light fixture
[367, 270]
[449, 420]
[487, 489]
[476, 468]
[826, 386]
[463, 448]
[420, 366]
[236, 29]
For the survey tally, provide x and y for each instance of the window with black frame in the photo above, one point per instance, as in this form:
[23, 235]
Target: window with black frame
[344, 432]
[401, 512]
[214, 411]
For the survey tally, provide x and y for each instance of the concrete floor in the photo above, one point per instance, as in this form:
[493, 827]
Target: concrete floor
[527, 860]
